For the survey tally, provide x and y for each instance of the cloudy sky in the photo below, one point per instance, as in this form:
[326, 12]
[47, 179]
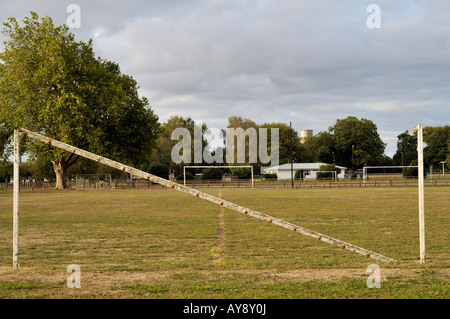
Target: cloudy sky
[305, 62]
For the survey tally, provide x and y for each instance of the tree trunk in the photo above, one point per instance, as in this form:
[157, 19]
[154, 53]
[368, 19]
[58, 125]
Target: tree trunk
[60, 172]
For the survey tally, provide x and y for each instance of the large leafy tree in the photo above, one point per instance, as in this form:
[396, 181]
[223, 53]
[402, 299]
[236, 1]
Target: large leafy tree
[448, 154]
[165, 144]
[406, 149]
[320, 148]
[357, 142]
[52, 84]
[6, 171]
[437, 140]
[285, 142]
[350, 142]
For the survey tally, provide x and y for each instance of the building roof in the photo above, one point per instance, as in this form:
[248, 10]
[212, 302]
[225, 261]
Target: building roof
[296, 166]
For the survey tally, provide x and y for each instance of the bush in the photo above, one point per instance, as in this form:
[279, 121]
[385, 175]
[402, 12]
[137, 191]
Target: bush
[188, 177]
[243, 173]
[411, 172]
[6, 171]
[328, 174]
[270, 176]
[212, 173]
[160, 170]
[299, 173]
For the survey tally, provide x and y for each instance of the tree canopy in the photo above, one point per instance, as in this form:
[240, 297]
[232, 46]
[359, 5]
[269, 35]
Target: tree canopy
[436, 147]
[437, 140]
[51, 84]
[320, 148]
[350, 142]
[357, 142]
[406, 149]
[165, 144]
[285, 134]
[448, 154]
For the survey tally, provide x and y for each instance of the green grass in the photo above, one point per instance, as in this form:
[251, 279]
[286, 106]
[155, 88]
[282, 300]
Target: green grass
[162, 244]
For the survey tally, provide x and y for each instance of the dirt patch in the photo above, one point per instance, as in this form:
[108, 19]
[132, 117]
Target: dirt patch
[305, 275]
[124, 277]
[127, 284]
[220, 239]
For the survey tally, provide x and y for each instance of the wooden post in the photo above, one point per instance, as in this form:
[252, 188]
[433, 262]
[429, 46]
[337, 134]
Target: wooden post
[16, 202]
[419, 129]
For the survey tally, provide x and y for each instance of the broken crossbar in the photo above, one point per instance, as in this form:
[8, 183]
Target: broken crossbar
[205, 196]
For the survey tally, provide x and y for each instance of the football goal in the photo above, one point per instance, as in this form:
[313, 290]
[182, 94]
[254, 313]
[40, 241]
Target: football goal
[169, 184]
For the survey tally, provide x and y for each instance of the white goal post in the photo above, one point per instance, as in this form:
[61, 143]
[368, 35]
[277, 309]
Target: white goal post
[419, 129]
[16, 201]
[217, 166]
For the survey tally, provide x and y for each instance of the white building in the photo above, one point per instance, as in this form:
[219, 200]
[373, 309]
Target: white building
[310, 170]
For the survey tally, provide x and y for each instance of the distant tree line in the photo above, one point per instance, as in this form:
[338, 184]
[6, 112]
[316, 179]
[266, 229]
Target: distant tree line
[54, 85]
[350, 142]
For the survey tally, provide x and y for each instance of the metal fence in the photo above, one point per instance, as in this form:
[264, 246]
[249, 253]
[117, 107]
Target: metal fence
[319, 183]
[378, 181]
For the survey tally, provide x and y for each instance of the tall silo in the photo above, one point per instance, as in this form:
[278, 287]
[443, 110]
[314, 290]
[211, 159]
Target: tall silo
[304, 134]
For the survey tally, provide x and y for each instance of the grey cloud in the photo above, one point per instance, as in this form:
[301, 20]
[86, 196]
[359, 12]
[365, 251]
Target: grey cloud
[309, 62]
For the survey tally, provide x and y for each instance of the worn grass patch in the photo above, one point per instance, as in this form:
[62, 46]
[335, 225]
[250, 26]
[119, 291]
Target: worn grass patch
[165, 244]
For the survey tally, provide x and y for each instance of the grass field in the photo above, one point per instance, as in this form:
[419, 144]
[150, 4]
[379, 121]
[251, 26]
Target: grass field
[165, 244]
